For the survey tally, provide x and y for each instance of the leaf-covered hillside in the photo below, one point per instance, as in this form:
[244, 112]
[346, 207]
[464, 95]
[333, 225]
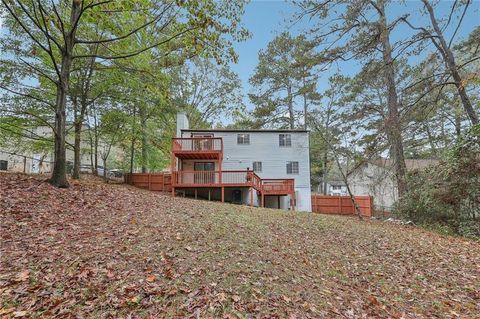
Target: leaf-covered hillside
[113, 251]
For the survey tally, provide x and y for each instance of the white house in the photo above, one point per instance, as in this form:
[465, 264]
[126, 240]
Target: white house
[269, 168]
[376, 178]
[337, 188]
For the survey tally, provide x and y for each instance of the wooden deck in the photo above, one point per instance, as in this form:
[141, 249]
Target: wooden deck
[198, 148]
[167, 182]
[232, 178]
[211, 148]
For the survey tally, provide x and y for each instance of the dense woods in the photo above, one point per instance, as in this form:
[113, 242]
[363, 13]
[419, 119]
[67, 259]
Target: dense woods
[415, 96]
[110, 65]
[368, 80]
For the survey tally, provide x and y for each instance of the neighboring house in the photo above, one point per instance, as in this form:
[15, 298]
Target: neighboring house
[14, 162]
[376, 178]
[19, 158]
[337, 188]
[268, 168]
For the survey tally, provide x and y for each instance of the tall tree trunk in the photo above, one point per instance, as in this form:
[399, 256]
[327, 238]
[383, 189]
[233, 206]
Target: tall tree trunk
[104, 168]
[305, 105]
[91, 148]
[132, 146]
[143, 123]
[290, 107]
[449, 60]
[80, 113]
[326, 149]
[76, 144]
[393, 125]
[431, 141]
[95, 142]
[324, 172]
[59, 173]
[76, 149]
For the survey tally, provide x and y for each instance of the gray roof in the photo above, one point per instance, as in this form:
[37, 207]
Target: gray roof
[410, 164]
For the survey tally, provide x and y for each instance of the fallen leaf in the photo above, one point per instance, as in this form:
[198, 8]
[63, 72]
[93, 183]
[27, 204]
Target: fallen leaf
[19, 314]
[6, 311]
[221, 297]
[135, 299]
[23, 276]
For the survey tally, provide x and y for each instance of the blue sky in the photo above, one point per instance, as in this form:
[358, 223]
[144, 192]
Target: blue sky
[266, 19]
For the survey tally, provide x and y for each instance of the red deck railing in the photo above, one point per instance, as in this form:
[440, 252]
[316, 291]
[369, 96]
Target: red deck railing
[277, 186]
[197, 144]
[216, 178]
[196, 178]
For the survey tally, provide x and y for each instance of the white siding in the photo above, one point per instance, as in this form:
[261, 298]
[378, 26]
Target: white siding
[264, 147]
[374, 181]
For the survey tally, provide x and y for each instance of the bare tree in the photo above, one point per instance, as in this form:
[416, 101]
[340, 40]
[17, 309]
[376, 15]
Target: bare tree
[437, 37]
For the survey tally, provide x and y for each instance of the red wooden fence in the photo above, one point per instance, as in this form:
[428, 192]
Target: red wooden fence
[342, 205]
[161, 182]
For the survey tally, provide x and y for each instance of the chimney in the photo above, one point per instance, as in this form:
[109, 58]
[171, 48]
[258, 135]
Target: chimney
[182, 123]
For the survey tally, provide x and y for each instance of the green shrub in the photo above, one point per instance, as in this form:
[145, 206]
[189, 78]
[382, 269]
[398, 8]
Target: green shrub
[447, 195]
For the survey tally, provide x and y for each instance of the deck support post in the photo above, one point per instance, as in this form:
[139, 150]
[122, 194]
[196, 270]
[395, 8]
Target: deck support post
[293, 201]
[195, 193]
[263, 200]
[251, 196]
[223, 194]
[173, 163]
[209, 193]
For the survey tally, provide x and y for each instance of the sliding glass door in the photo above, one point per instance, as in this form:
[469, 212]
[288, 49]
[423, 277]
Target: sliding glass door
[206, 172]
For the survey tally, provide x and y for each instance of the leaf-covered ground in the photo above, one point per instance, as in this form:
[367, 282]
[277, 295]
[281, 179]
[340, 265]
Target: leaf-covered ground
[114, 251]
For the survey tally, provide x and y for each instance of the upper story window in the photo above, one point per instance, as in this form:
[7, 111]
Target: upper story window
[336, 187]
[292, 167]
[285, 140]
[243, 138]
[257, 167]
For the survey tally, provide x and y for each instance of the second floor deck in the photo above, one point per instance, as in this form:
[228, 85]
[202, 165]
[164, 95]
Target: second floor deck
[197, 147]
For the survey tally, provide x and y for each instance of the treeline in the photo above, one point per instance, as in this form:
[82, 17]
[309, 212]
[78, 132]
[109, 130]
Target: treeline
[114, 73]
[402, 84]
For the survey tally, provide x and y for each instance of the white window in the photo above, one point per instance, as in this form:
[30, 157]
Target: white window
[243, 139]
[336, 187]
[292, 167]
[285, 140]
[257, 167]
